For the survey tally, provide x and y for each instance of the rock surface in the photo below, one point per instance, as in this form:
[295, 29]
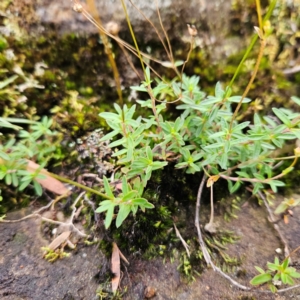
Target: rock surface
[25, 275]
[212, 15]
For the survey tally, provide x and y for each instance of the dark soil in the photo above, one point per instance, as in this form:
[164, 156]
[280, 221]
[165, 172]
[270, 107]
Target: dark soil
[24, 274]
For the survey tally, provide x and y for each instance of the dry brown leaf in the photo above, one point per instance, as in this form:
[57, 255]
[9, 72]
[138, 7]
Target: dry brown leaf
[115, 268]
[49, 183]
[59, 240]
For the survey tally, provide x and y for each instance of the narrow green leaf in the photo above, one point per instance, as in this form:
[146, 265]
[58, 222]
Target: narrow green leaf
[38, 188]
[285, 263]
[109, 135]
[261, 278]
[282, 207]
[217, 134]
[6, 82]
[129, 196]
[119, 153]
[104, 206]
[107, 188]
[282, 116]
[257, 186]
[296, 100]
[260, 270]
[122, 214]
[213, 114]
[219, 92]
[273, 267]
[272, 288]
[109, 216]
[149, 153]
[8, 179]
[243, 174]
[6, 124]
[15, 180]
[4, 156]
[125, 188]
[134, 209]
[24, 185]
[139, 88]
[129, 114]
[118, 143]
[149, 171]
[235, 187]
[224, 161]
[181, 165]
[294, 274]
[179, 63]
[214, 146]
[240, 127]
[237, 99]
[110, 116]
[143, 203]
[284, 278]
[158, 165]
[289, 280]
[119, 109]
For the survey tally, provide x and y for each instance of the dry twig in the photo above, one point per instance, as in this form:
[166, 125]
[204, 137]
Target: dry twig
[37, 214]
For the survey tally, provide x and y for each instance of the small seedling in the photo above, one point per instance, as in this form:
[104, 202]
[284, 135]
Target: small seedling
[276, 275]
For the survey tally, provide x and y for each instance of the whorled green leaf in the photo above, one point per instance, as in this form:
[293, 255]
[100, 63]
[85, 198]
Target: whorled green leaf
[8, 179]
[234, 187]
[129, 196]
[261, 279]
[286, 279]
[237, 99]
[109, 135]
[24, 184]
[38, 188]
[122, 214]
[272, 288]
[282, 116]
[260, 270]
[8, 81]
[109, 216]
[219, 92]
[107, 188]
[285, 263]
[273, 267]
[104, 206]
[294, 274]
[257, 186]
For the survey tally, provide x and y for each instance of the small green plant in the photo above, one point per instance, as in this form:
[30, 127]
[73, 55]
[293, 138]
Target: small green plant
[276, 274]
[128, 201]
[205, 137]
[34, 144]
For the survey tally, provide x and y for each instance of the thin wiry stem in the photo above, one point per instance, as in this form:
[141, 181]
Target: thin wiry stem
[164, 31]
[258, 10]
[188, 57]
[134, 39]
[260, 55]
[207, 255]
[276, 227]
[151, 23]
[252, 43]
[108, 51]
